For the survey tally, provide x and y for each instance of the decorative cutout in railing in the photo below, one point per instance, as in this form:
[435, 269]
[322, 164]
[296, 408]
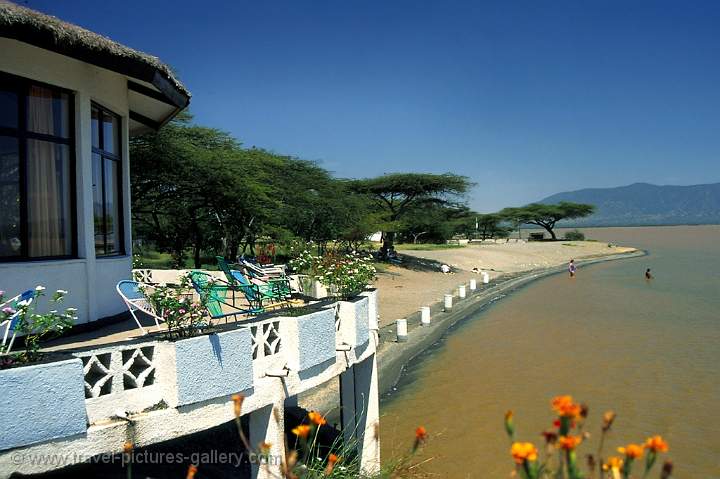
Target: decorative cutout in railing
[118, 370]
[266, 339]
[142, 275]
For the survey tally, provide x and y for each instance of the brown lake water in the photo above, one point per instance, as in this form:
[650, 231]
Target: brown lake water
[648, 350]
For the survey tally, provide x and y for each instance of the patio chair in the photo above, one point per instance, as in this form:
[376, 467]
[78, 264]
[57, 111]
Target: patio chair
[213, 294]
[273, 289]
[132, 294]
[10, 322]
[263, 272]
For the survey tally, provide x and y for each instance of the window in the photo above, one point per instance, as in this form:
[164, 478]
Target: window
[37, 182]
[107, 182]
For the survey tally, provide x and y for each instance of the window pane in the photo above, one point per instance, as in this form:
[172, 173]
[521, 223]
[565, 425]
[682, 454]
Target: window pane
[110, 134]
[95, 128]
[10, 242]
[48, 112]
[98, 217]
[8, 109]
[112, 207]
[48, 199]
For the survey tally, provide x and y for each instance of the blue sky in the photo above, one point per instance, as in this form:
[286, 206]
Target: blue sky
[526, 98]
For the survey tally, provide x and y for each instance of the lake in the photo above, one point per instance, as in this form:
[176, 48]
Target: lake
[650, 351]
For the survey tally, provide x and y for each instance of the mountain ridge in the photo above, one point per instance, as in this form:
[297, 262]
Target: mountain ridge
[645, 204]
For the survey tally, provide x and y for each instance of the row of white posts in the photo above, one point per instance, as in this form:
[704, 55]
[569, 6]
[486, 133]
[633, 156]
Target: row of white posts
[401, 324]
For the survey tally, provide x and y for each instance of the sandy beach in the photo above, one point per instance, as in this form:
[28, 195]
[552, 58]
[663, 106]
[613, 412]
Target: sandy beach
[403, 291]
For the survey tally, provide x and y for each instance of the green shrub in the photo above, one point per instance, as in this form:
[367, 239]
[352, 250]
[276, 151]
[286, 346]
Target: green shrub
[575, 235]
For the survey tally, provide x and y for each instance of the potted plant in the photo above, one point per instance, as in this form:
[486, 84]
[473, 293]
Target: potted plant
[27, 376]
[348, 275]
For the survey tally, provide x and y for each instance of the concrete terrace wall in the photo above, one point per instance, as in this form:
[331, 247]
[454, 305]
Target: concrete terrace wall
[213, 366]
[41, 402]
[90, 280]
[157, 390]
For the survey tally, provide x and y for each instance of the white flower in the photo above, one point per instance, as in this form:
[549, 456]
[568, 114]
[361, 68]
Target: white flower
[61, 291]
[39, 288]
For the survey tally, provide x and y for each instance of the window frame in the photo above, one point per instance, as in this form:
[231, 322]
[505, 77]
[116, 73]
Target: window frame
[21, 87]
[118, 159]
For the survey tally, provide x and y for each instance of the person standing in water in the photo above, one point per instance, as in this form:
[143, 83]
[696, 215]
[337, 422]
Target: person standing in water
[648, 275]
[572, 269]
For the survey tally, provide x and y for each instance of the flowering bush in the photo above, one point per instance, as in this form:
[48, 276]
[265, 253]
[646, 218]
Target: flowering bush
[304, 262]
[184, 317]
[345, 275]
[35, 326]
[567, 435]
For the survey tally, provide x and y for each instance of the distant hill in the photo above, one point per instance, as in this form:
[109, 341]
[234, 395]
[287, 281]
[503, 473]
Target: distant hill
[646, 204]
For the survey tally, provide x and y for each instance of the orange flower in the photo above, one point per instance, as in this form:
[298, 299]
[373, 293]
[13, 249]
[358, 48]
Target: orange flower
[317, 418]
[523, 451]
[264, 447]
[238, 400]
[608, 419]
[192, 470]
[509, 426]
[631, 451]
[303, 430]
[332, 459]
[128, 447]
[420, 437]
[613, 463]
[656, 444]
[566, 407]
[569, 443]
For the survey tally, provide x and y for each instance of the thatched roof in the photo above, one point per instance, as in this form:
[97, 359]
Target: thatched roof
[50, 33]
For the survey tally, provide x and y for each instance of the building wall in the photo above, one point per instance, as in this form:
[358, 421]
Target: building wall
[90, 280]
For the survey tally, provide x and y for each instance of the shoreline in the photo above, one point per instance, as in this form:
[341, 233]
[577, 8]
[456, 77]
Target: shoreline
[393, 357]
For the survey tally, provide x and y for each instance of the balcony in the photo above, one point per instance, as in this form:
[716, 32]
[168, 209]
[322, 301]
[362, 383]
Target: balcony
[89, 399]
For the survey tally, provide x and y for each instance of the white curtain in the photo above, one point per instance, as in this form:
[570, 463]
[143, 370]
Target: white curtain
[46, 222]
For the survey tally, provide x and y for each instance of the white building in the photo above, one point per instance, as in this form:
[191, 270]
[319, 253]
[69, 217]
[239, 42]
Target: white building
[69, 101]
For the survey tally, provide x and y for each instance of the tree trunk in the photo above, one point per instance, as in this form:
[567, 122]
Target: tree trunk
[196, 255]
[388, 240]
[233, 248]
[550, 230]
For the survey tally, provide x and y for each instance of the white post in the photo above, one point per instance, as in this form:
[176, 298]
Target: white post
[473, 285]
[448, 301]
[485, 277]
[360, 411]
[401, 325]
[425, 315]
[461, 291]
[267, 425]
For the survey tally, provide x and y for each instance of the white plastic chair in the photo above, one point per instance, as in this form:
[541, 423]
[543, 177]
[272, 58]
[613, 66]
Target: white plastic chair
[135, 300]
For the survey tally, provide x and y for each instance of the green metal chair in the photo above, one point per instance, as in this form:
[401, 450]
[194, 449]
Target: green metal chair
[213, 294]
[273, 290]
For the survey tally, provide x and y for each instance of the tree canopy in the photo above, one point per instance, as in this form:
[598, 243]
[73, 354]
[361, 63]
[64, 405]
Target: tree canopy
[196, 188]
[546, 215]
[396, 195]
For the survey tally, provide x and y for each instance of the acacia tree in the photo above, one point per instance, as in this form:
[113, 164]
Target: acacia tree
[483, 226]
[396, 194]
[547, 216]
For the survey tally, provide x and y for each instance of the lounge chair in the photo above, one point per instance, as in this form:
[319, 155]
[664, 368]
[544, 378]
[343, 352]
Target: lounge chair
[132, 294]
[272, 289]
[262, 272]
[213, 294]
[10, 322]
